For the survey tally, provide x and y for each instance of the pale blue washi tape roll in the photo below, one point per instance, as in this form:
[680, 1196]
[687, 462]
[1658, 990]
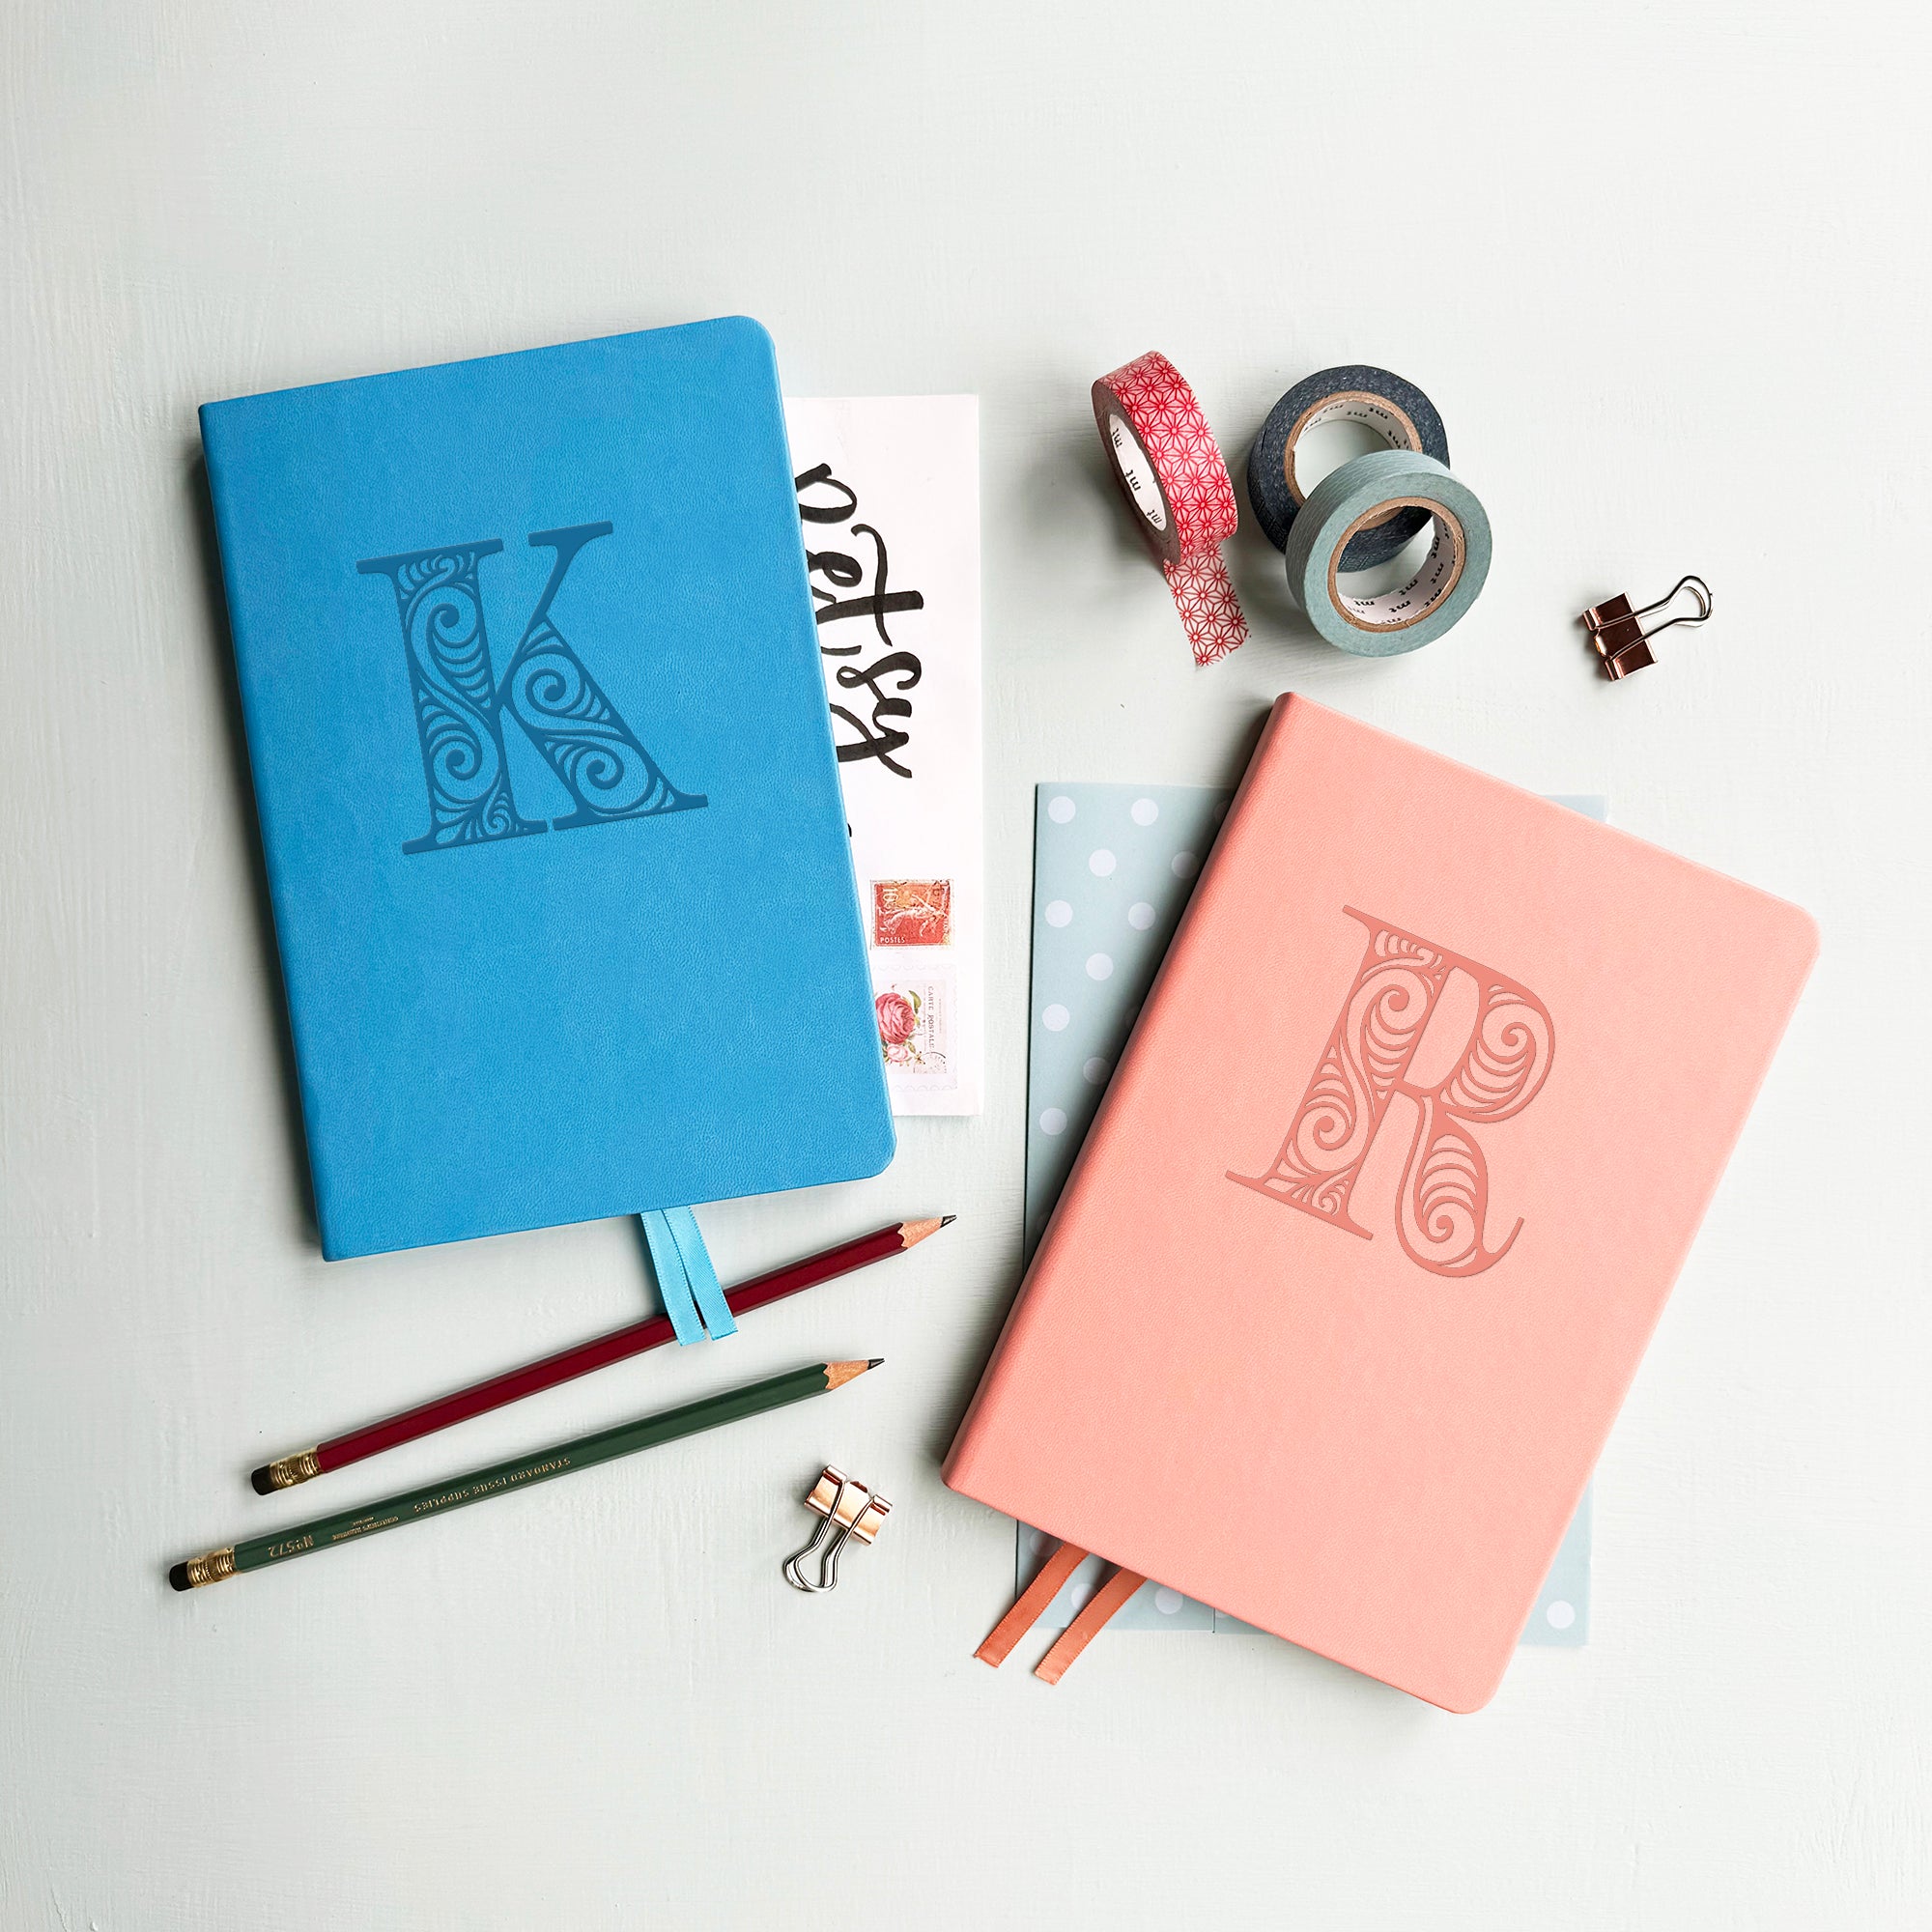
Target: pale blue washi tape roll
[1361, 493]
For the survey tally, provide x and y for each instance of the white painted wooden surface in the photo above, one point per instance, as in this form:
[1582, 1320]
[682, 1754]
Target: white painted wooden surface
[1665, 271]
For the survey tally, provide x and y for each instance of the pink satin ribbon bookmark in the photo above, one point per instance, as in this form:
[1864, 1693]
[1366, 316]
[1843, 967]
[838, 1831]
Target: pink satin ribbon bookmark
[1091, 1620]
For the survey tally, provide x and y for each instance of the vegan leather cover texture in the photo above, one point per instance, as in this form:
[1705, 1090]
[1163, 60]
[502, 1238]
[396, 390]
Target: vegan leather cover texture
[554, 833]
[1381, 1206]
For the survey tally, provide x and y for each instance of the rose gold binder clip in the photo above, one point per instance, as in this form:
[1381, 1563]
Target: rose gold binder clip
[1617, 633]
[848, 1510]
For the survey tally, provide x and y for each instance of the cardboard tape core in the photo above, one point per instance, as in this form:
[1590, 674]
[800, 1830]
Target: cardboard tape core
[1392, 426]
[1136, 472]
[1436, 577]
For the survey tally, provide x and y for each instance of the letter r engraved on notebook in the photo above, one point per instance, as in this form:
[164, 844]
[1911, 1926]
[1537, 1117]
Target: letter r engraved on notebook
[460, 706]
[1442, 1206]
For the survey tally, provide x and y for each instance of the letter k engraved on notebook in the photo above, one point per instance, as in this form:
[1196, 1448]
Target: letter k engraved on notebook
[1442, 1206]
[460, 706]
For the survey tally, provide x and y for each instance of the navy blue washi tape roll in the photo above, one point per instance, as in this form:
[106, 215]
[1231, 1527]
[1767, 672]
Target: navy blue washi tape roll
[1391, 409]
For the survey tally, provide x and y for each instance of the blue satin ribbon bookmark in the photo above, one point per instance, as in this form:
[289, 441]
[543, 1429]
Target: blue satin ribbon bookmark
[687, 1280]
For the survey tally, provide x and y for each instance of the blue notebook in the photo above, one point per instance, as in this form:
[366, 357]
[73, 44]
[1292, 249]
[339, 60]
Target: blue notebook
[561, 884]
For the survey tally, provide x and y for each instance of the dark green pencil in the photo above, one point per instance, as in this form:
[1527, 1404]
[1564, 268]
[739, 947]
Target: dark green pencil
[647, 1433]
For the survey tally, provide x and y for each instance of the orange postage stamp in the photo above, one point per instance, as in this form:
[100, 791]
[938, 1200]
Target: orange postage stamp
[912, 912]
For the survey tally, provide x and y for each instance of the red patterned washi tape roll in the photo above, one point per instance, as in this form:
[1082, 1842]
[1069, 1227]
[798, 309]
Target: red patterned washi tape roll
[1171, 472]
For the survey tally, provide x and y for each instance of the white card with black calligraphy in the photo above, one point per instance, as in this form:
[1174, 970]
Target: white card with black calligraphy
[889, 489]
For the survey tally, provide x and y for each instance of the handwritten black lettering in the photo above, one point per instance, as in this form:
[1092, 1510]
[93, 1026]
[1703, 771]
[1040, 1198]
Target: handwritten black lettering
[882, 739]
[820, 476]
[880, 736]
[847, 573]
[836, 567]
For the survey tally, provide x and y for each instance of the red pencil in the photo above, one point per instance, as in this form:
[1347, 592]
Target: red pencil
[514, 1383]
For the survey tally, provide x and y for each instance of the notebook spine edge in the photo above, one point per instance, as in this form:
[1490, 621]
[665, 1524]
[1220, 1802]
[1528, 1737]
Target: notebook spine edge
[956, 1471]
[336, 1243]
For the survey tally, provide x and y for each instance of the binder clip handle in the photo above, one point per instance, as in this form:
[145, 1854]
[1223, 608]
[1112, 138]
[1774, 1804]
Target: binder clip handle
[844, 1509]
[1617, 633]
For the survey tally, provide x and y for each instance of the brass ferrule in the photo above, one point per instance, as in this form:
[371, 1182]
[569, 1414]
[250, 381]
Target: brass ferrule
[294, 1469]
[212, 1568]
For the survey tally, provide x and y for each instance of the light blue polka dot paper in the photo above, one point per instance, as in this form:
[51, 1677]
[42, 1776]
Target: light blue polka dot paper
[1113, 869]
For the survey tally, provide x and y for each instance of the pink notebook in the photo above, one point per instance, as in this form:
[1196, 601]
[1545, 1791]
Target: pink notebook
[1383, 1205]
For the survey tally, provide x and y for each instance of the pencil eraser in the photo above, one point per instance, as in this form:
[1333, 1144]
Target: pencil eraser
[178, 1577]
[263, 1483]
